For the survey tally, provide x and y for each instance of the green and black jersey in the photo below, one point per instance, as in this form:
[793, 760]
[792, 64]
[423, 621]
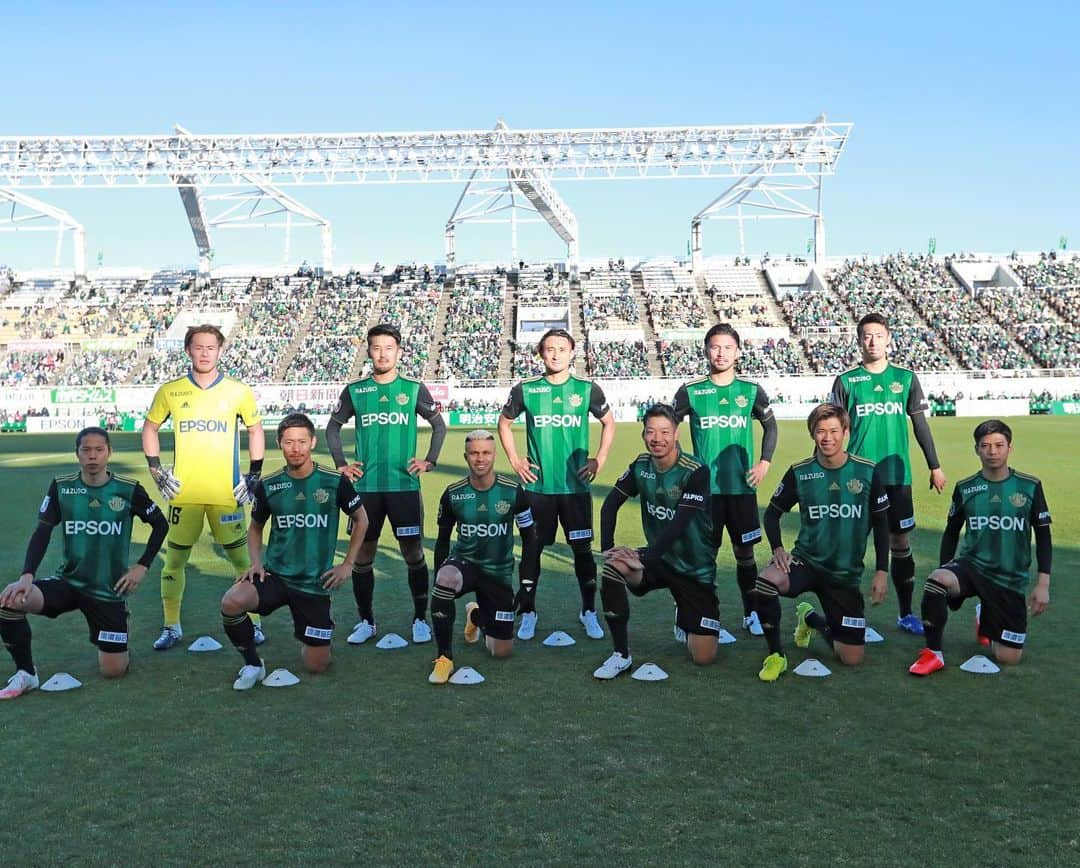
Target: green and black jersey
[879, 405]
[720, 428]
[557, 429]
[303, 515]
[485, 523]
[682, 487]
[96, 523]
[998, 520]
[385, 415]
[835, 513]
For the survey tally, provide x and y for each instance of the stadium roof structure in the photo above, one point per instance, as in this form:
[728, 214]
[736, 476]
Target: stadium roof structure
[756, 157]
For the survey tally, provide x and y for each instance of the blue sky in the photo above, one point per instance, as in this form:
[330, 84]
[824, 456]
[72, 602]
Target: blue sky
[966, 121]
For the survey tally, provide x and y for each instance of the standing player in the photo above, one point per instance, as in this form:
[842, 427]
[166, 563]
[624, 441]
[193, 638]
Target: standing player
[720, 407]
[557, 470]
[205, 484]
[999, 508]
[385, 405]
[484, 506]
[302, 503]
[680, 554]
[94, 508]
[841, 499]
[878, 395]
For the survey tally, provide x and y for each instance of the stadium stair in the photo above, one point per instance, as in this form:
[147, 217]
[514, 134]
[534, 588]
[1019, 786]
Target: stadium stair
[438, 333]
[652, 340]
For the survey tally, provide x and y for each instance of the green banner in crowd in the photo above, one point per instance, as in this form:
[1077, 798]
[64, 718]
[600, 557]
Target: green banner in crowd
[473, 418]
[1065, 408]
[83, 395]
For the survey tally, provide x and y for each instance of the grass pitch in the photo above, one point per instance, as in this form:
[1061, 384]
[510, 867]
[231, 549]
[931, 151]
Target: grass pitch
[541, 764]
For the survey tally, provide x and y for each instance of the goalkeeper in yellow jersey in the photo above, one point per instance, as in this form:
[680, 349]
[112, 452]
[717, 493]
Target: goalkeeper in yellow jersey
[205, 483]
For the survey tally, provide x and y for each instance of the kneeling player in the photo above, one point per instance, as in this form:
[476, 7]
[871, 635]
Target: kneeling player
[840, 499]
[94, 508]
[301, 502]
[999, 507]
[484, 506]
[680, 554]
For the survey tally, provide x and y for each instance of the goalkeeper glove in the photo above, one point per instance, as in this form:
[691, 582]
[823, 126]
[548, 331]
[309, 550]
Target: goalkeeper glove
[245, 488]
[163, 477]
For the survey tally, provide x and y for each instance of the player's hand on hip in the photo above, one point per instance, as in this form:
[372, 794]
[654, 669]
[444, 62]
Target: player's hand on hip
[524, 470]
[589, 470]
[937, 480]
[130, 580]
[352, 472]
[781, 559]
[878, 586]
[254, 573]
[166, 481]
[15, 593]
[335, 577]
[418, 466]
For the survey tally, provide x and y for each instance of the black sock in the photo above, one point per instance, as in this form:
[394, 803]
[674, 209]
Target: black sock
[443, 613]
[585, 568]
[935, 612]
[767, 605]
[903, 578]
[526, 599]
[818, 622]
[418, 585]
[241, 632]
[746, 576]
[15, 631]
[363, 588]
[616, 608]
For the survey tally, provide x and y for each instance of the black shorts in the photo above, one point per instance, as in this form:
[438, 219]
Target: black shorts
[901, 509]
[1004, 613]
[405, 509]
[107, 620]
[496, 598]
[739, 514]
[573, 511]
[312, 623]
[698, 611]
[843, 605]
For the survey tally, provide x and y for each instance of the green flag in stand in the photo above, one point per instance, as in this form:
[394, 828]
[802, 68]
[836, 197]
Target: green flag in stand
[809, 244]
[1063, 243]
[931, 246]
[100, 258]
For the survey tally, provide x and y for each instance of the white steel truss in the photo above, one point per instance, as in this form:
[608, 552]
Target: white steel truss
[263, 206]
[525, 190]
[768, 197]
[27, 214]
[785, 150]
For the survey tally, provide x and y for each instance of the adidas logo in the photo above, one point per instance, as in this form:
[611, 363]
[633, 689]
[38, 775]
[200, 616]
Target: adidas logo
[383, 399]
[557, 400]
[724, 401]
[185, 406]
[993, 499]
[879, 388]
[300, 496]
[834, 487]
[95, 503]
[482, 507]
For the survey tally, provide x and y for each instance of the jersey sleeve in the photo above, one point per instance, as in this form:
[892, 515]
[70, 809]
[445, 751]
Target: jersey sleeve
[343, 410]
[49, 512]
[426, 408]
[515, 403]
[598, 404]
[839, 393]
[260, 510]
[142, 504]
[681, 403]
[879, 497]
[787, 493]
[159, 408]
[1040, 512]
[627, 483]
[916, 401]
[446, 518]
[248, 411]
[761, 409]
[348, 498]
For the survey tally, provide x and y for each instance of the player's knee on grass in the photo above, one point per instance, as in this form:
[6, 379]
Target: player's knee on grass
[316, 658]
[449, 577]
[240, 598]
[500, 648]
[1005, 654]
[114, 665]
[702, 648]
[849, 655]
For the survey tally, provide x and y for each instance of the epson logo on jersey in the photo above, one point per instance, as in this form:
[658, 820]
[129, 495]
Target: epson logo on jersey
[212, 426]
[974, 489]
[806, 477]
[834, 510]
[93, 528]
[303, 520]
[396, 417]
[880, 408]
[663, 513]
[723, 422]
[278, 486]
[997, 522]
[482, 530]
[556, 420]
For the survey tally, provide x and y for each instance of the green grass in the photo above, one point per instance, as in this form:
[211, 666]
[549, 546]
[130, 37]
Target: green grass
[542, 764]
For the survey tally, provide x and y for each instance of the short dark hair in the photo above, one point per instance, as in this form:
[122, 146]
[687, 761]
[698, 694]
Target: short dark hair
[872, 319]
[205, 328]
[295, 420]
[827, 411]
[93, 429]
[659, 410]
[992, 426]
[386, 329]
[554, 333]
[723, 328]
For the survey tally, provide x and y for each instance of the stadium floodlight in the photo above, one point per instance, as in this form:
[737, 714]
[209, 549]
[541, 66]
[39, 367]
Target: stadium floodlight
[524, 190]
[27, 214]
